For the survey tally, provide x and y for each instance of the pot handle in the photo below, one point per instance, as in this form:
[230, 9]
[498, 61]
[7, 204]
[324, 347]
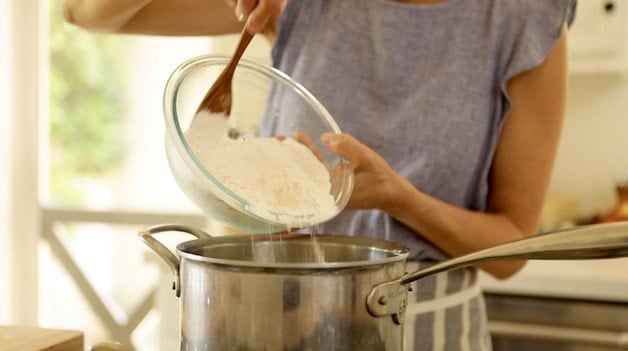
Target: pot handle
[607, 240]
[146, 235]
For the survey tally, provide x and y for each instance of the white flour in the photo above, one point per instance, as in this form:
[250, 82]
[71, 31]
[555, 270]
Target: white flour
[283, 181]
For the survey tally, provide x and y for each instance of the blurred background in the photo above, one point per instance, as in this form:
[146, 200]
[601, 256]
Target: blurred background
[82, 168]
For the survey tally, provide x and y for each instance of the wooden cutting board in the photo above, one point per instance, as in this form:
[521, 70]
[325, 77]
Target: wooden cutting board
[14, 338]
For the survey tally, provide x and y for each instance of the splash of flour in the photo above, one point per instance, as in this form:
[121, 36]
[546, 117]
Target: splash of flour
[282, 180]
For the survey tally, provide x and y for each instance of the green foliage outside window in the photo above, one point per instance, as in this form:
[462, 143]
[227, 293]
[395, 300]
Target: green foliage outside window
[87, 106]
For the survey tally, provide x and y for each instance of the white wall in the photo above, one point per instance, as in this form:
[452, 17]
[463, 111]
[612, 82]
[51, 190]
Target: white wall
[594, 145]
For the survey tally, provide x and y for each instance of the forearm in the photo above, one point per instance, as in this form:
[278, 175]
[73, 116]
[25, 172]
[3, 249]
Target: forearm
[101, 15]
[158, 17]
[455, 230]
[519, 175]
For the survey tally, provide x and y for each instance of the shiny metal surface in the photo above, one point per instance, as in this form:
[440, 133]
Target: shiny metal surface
[607, 240]
[146, 235]
[586, 242]
[283, 292]
[325, 292]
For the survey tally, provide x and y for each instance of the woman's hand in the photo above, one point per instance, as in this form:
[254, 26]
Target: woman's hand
[258, 13]
[375, 182]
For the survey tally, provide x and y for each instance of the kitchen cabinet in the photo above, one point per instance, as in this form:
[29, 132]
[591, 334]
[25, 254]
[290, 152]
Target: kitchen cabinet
[597, 38]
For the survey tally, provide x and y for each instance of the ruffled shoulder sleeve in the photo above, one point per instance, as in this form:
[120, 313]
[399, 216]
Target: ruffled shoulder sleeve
[534, 30]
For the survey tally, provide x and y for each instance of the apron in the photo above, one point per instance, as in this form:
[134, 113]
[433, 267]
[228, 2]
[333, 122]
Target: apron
[446, 312]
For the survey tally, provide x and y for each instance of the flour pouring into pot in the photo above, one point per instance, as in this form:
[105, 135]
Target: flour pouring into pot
[281, 179]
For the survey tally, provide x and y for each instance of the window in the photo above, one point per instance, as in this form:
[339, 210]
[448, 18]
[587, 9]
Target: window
[85, 169]
[103, 173]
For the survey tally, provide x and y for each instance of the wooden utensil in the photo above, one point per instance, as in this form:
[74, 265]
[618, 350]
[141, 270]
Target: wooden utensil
[23, 338]
[218, 98]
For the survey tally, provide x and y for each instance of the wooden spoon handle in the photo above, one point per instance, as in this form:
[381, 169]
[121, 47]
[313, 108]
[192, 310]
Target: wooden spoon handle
[245, 39]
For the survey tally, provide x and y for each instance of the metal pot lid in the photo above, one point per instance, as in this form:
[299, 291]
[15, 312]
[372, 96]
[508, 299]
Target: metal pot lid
[293, 251]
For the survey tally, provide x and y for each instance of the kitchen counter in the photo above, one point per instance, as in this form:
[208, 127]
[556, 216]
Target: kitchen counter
[17, 338]
[598, 280]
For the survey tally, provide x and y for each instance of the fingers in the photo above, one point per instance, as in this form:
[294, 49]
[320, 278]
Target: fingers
[257, 13]
[345, 145]
[231, 3]
[307, 141]
[244, 8]
[263, 12]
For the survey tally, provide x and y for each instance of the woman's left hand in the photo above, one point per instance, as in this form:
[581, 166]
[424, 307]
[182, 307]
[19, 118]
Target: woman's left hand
[375, 181]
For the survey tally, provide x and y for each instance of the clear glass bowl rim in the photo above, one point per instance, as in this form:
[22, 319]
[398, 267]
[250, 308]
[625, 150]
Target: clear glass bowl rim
[177, 136]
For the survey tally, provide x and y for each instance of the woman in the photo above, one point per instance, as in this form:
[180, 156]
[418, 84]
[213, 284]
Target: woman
[452, 111]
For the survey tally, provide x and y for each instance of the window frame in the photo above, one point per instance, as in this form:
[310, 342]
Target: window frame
[23, 91]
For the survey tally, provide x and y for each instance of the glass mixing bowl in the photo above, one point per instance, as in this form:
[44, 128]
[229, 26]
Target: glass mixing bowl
[266, 103]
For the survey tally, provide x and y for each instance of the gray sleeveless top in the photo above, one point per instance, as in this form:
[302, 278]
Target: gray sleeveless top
[423, 85]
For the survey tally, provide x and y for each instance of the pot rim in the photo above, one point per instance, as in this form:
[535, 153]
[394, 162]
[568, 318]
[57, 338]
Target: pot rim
[395, 251]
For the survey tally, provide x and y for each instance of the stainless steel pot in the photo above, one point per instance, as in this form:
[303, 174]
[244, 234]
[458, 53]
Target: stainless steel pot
[324, 292]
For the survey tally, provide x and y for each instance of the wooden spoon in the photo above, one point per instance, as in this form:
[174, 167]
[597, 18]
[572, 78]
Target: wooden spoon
[218, 98]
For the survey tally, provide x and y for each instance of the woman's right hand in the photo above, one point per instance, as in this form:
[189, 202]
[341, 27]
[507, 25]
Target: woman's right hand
[257, 13]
